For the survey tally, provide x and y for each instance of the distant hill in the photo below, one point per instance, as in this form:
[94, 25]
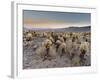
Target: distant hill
[77, 29]
[69, 29]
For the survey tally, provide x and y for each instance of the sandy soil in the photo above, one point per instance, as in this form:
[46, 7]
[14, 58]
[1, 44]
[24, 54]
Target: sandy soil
[32, 61]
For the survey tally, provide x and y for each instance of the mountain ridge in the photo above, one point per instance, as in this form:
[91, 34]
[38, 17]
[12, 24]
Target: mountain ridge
[69, 29]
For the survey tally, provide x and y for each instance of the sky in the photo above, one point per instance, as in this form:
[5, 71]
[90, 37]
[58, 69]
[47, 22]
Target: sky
[51, 19]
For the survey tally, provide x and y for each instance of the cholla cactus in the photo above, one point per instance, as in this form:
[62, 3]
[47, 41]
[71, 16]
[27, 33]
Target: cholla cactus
[29, 36]
[62, 49]
[83, 50]
[69, 46]
[40, 51]
[45, 34]
[58, 43]
[46, 49]
[61, 39]
[50, 38]
[47, 42]
[84, 47]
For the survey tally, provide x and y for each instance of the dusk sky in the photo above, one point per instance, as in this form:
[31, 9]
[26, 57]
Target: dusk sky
[50, 19]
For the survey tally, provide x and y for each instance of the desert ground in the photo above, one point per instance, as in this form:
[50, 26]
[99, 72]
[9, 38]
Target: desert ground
[47, 49]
